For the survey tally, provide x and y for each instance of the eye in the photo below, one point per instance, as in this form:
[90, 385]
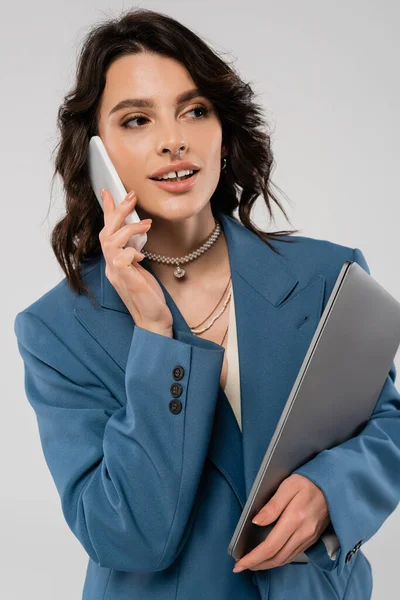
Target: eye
[125, 123]
[200, 107]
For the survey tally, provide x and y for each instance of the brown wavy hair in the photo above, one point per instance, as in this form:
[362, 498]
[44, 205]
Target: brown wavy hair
[75, 237]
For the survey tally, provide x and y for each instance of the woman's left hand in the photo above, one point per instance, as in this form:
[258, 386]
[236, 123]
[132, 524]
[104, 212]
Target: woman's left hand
[305, 516]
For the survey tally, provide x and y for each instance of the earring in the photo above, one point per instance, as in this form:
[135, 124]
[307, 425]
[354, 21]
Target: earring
[224, 161]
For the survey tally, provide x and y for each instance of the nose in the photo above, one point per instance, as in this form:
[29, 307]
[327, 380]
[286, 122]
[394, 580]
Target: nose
[174, 149]
[176, 145]
[175, 153]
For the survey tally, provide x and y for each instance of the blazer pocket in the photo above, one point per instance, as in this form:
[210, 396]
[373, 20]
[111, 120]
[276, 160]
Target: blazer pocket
[302, 322]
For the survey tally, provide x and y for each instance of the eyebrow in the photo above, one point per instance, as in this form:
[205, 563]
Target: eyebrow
[148, 103]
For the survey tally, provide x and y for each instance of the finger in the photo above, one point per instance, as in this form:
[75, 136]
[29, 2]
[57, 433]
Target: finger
[114, 218]
[285, 555]
[279, 535]
[296, 543]
[273, 543]
[121, 237]
[287, 490]
[300, 548]
[125, 258]
[108, 201]
[275, 510]
[302, 538]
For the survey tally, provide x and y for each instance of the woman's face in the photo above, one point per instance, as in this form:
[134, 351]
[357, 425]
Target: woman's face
[140, 140]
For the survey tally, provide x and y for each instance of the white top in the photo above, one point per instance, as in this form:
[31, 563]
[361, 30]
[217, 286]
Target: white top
[232, 391]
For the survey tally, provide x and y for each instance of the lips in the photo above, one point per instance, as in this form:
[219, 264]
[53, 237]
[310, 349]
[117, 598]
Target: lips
[177, 166]
[176, 180]
[177, 186]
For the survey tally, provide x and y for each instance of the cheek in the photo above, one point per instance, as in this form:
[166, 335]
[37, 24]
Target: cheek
[215, 166]
[210, 152]
[210, 177]
[132, 170]
[211, 138]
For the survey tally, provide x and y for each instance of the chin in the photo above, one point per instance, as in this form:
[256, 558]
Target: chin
[178, 208]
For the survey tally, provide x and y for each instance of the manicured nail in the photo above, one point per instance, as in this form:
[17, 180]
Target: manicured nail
[130, 197]
[237, 569]
[259, 518]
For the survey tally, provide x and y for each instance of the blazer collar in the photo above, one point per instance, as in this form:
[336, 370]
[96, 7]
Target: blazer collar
[249, 257]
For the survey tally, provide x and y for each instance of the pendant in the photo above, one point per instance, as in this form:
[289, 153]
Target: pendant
[179, 272]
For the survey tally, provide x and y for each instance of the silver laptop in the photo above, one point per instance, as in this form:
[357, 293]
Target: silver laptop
[335, 391]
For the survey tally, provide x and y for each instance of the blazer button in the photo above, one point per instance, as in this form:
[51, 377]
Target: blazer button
[175, 406]
[178, 372]
[358, 545]
[176, 390]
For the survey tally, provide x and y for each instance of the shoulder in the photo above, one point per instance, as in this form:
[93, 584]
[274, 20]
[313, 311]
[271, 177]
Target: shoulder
[309, 257]
[312, 251]
[315, 253]
[56, 306]
[306, 254]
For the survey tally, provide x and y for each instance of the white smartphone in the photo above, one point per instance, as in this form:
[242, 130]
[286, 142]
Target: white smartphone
[103, 174]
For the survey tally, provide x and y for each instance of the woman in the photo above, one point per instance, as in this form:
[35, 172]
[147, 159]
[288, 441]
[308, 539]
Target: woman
[153, 430]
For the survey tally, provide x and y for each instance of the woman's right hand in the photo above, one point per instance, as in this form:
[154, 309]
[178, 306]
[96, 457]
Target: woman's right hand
[138, 289]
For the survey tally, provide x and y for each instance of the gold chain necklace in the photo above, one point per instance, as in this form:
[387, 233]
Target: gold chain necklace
[197, 331]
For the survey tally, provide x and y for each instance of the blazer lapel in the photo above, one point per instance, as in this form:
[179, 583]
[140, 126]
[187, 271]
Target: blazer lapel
[275, 320]
[276, 317]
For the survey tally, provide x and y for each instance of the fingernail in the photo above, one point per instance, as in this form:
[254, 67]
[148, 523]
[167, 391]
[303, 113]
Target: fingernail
[102, 191]
[237, 569]
[130, 197]
[259, 518]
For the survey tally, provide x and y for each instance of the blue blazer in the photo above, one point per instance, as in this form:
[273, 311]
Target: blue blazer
[145, 451]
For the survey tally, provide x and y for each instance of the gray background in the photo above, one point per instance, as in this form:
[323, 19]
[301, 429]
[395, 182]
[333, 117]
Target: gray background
[327, 75]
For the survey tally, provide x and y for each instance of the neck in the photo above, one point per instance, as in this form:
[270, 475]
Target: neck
[212, 265]
[178, 237]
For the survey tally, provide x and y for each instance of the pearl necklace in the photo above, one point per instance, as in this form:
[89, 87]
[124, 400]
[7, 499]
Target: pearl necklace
[178, 271]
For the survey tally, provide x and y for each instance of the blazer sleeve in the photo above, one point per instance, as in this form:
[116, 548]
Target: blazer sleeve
[360, 477]
[127, 475]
